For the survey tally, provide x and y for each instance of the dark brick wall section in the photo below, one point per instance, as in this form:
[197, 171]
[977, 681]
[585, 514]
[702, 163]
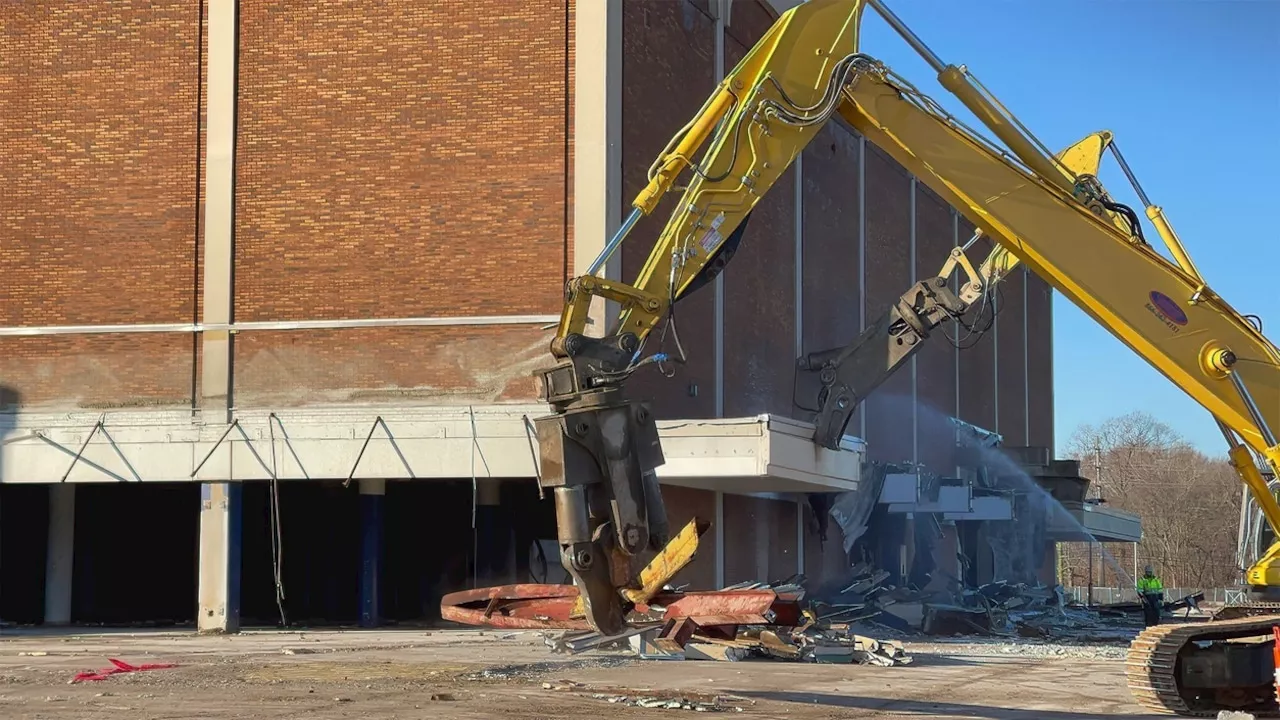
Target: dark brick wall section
[668, 70]
[684, 504]
[1012, 395]
[99, 136]
[824, 561]
[1040, 360]
[888, 275]
[830, 296]
[936, 361]
[783, 527]
[763, 533]
[977, 375]
[759, 314]
[748, 22]
[741, 524]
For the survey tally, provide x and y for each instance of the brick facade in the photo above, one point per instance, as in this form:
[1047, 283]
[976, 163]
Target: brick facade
[409, 162]
[99, 149]
[416, 161]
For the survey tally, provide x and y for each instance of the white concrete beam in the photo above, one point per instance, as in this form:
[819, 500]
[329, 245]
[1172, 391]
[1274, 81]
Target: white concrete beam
[219, 585]
[217, 253]
[597, 143]
[753, 454]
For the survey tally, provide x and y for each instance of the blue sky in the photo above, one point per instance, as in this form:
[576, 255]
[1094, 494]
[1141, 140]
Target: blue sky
[1190, 91]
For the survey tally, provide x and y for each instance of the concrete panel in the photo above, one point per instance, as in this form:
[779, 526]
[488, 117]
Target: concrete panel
[888, 275]
[759, 314]
[977, 354]
[984, 508]
[684, 504]
[935, 363]
[1040, 361]
[767, 454]
[668, 50]
[831, 274]
[1011, 361]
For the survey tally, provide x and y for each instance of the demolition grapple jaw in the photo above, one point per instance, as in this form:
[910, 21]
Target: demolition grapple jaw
[598, 456]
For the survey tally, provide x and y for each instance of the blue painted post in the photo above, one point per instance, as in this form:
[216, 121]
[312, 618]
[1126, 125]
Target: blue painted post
[372, 494]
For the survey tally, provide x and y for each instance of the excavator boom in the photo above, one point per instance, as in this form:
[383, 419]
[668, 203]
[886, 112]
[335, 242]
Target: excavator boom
[1050, 213]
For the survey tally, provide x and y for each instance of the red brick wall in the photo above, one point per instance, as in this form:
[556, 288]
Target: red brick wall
[406, 162]
[413, 161]
[99, 143]
[394, 176]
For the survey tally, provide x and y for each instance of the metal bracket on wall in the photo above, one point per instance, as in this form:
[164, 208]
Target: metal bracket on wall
[376, 422]
[288, 444]
[235, 425]
[78, 456]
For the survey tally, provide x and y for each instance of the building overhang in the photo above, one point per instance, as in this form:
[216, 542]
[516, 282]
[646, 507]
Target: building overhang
[763, 453]
[1086, 522]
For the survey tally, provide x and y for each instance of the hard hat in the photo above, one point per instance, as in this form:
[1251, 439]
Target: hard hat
[1150, 570]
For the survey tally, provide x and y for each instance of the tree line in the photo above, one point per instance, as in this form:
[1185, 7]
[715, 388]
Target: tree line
[1189, 504]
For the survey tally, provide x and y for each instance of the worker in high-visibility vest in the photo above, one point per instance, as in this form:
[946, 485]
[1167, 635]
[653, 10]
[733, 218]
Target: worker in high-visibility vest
[1151, 590]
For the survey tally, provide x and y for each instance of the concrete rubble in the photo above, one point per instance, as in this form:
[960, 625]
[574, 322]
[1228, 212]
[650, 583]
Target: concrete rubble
[999, 609]
[809, 638]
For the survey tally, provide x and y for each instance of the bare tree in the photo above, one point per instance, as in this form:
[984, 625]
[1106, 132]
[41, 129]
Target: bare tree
[1189, 503]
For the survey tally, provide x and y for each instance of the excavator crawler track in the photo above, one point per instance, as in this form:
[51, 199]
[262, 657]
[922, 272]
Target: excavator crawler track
[1247, 609]
[1152, 667]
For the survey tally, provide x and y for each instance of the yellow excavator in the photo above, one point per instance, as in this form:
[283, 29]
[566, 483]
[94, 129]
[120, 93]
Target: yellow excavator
[1048, 211]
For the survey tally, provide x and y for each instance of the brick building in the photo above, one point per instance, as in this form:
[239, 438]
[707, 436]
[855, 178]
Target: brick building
[386, 205]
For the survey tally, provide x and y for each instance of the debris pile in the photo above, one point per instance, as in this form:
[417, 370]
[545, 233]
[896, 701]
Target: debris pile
[768, 622]
[997, 608]
[657, 703]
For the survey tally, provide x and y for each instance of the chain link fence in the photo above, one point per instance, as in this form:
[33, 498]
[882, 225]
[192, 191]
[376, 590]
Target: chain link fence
[1105, 596]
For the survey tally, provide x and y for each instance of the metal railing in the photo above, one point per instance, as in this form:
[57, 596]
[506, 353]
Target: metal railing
[1105, 596]
[39, 330]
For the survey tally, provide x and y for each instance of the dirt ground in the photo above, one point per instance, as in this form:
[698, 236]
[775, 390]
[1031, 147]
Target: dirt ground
[488, 674]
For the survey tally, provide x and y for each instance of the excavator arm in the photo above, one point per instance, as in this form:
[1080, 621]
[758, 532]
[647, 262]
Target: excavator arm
[599, 450]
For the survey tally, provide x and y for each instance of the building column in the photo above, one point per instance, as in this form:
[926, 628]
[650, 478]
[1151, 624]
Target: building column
[372, 495]
[597, 144]
[493, 537]
[61, 552]
[219, 594]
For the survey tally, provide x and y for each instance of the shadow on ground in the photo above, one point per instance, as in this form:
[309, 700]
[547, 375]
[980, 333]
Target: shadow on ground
[926, 708]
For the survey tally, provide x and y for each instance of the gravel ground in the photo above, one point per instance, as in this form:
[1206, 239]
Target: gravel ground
[477, 674]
